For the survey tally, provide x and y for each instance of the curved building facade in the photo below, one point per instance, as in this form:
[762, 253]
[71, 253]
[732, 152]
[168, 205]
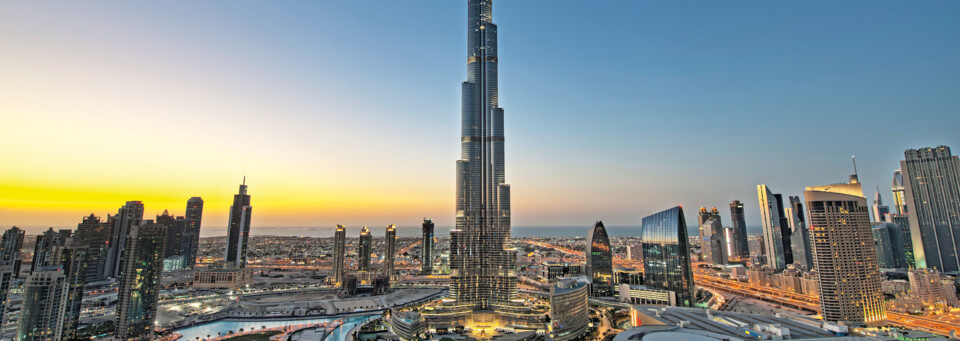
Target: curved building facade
[569, 308]
[599, 261]
[666, 255]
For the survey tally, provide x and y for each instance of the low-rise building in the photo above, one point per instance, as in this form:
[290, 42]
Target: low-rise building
[222, 278]
[569, 308]
[639, 294]
[407, 324]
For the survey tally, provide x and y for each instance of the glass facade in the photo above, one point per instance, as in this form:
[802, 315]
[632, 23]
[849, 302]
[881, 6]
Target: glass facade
[931, 180]
[339, 252]
[713, 248]
[140, 282]
[238, 230]
[776, 233]
[389, 248]
[426, 253]
[739, 230]
[191, 233]
[363, 251]
[600, 261]
[666, 255]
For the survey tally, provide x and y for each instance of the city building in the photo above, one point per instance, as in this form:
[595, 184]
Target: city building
[879, 210]
[96, 236]
[599, 263]
[426, 247]
[712, 240]
[931, 182]
[364, 249]
[627, 276]
[799, 235]
[739, 231]
[339, 253]
[10, 247]
[139, 287]
[569, 308]
[846, 261]
[903, 223]
[7, 277]
[191, 231]
[641, 294]
[889, 245]
[389, 248]
[72, 258]
[238, 227]
[776, 233]
[52, 295]
[407, 324]
[129, 215]
[175, 227]
[43, 249]
[666, 255]
[483, 272]
[899, 196]
[225, 278]
[634, 252]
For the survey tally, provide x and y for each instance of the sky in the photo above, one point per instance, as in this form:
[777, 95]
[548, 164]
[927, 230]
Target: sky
[347, 112]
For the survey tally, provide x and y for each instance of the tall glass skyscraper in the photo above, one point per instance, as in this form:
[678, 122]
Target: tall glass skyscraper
[139, 288]
[389, 248]
[339, 253]
[130, 215]
[740, 230]
[899, 198]
[191, 233]
[238, 227]
[799, 234]
[426, 247]
[713, 243]
[776, 233]
[599, 261]
[931, 180]
[364, 249]
[666, 255]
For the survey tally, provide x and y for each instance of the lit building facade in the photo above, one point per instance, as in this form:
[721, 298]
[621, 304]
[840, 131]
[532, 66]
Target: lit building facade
[426, 247]
[846, 261]
[95, 235]
[238, 227]
[139, 288]
[739, 231]
[191, 232]
[799, 234]
[931, 181]
[776, 233]
[339, 253]
[389, 248]
[879, 210]
[364, 249]
[10, 247]
[43, 248]
[599, 261]
[712, 239]
[569, 308]
[666, 255]
[899, 193]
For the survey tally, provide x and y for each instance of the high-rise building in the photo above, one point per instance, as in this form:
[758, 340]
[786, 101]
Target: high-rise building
[339, 252]
[599, 264]
[732, 247]
[175, 226]
[389, 248]
[926, 284]
[191, 233]
[799, 235]
[740, 230]
[776, 233]
[899, 198]
[712, 239]
[52, 295]
[7, 276]
[363, 250]
[844, 253]
[139, 287]
[483, 272]
[72, 258]
[879, 210]
[903, 222]
[889, 245]
[43, 249]
[931, 180]
[666, 255]
[569, 308]
[238, 227]
[426, 253]
[130, 215]
[10, 247]
[96, 236]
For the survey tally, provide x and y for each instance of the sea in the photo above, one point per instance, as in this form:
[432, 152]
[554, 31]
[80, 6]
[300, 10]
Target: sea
[442, 231]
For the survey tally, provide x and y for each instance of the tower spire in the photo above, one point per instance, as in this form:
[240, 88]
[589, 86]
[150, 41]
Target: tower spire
[854, 178]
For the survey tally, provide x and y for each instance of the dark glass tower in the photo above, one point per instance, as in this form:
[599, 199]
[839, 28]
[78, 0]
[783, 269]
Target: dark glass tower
[389, 247]
[10, 247]
[191, 233]
[238, 227]
[130, 215]
[43, 249]
[666, 255]
[339, 252]
[713, 243]
[139, 288]
[95, 235]
[799, 234]
[740, 230]
[363, 250]
[931, 180]
[175, 226]
[426, 249]
[599, 261]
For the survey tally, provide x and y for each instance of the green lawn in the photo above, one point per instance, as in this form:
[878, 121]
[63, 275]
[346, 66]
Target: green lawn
[265, 336]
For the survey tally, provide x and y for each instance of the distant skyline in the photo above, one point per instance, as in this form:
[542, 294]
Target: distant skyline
[348, 112]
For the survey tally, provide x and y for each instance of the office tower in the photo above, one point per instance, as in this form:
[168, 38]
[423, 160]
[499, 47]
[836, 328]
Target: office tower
[926, 284]
[175, 228]
[363, 250]
[426, 253]
[732, 247]
[634, 252]
[389, 248]
[599, 264]
[666, 255]
[903, 222]
[44, 247]
[191, 233]
[53, 293]
[799, 235]
[879, 210]
[931, 182]
[712, 239]
[339, 252]
[130, 215]
[95, 235]
[844, 254]
[238, 230]
[10, 247]
[139, 287]
[740, 230]
[72, 258]
[899, 198]
[569, 308]
[889, 245]
[776, 233]
[7, 276]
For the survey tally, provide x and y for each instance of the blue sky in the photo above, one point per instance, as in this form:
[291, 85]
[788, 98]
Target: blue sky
[614, 109]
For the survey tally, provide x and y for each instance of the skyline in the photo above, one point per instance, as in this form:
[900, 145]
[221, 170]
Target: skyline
[305, 100]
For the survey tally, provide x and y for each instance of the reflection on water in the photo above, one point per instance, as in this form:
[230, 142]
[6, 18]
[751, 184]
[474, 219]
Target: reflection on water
[211, 329]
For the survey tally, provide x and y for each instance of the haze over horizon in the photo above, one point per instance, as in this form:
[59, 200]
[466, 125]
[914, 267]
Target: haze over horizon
[346, 113]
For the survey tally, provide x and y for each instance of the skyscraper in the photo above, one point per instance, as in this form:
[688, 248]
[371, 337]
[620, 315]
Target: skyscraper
[175, 227]
[238, 227]
[844, 253]
[931, 181]
[139, 287]
[43, 249]
[776, 235]
[339, 252]
[599, 261]
[899, 198]
[53, 294]
[363, 250]
[740, 230]
[712, 239]
[389, 248]
[10, 247]
[903, 223]
[95, 235]
[72, 259]
[426, 247]
[191, 233]
[130, 215]
[879, 210]
[666, 255]
[889, 246]
[799, 235]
